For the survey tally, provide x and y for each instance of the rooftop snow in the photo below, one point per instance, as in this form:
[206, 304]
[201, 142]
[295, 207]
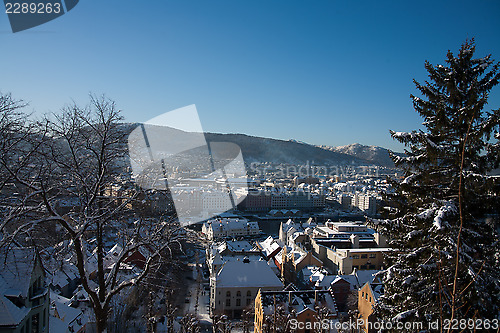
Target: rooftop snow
[251, 274]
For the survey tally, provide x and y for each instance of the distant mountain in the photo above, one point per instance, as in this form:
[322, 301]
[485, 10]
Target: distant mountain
[258, 149]
[375, 155]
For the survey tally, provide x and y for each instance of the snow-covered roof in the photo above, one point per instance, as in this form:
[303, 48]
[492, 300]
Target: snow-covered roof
[308, 271]
[300, 305]
[80, 294]
[247, 274]
[269, 246]
[377, 290]
[60, 271]
[112, 256]
[10, 314]
[365, 276]
[239, 245]
[240, 257]
[16, 268]
[325, 281]
[353, 281]
[279, 256]
[231, 224]
[60, 305]
[57, 325]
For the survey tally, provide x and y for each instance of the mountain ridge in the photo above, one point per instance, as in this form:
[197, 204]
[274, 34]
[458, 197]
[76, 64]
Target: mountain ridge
[375, 154]
[262, 149]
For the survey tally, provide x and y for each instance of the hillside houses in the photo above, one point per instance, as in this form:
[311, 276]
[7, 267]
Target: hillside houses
[24, 296]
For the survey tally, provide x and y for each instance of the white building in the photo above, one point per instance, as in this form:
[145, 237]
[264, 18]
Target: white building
[229, 228]
[366, 203]
[237, 283]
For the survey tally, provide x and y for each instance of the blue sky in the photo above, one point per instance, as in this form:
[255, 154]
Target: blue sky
[321, 71]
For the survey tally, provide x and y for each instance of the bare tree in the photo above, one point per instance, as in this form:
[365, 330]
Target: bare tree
[190, 324]
[323, 316]
[19, 141]
[247, 318]
[79, 156]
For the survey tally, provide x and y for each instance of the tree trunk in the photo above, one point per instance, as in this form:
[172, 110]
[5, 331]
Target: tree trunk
[101, 318]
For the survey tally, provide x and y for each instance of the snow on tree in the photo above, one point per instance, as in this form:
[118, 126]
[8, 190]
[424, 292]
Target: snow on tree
[446, 257]
[68, 172]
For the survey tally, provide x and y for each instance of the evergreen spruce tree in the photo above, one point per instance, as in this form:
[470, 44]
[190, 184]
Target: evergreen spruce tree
[445, 235]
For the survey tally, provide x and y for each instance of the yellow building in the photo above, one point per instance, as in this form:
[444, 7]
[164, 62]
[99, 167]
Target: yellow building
[259, 314]
[367, 297]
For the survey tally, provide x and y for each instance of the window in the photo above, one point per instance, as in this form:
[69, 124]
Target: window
[34, 323]
[355, 256]
[371, 267]
[364, 256]
[373, 255]
[228, 293]
[228, 302]
[362, 294]
[238, 293]
[238, 302]
[363, 267]
[249, 293]
[249, 300]
[370, 299]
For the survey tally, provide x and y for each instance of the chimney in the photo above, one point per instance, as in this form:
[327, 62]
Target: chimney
[380, 240]
[355, 241]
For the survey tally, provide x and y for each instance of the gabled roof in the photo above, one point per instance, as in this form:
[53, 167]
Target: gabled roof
[16, 267]
[364, 276]
[377, 290]
[60, 305]
[269, 246]
[10, 314]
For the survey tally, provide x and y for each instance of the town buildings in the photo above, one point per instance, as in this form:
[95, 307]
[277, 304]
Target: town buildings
[367, 297]
[265, 200]
[235, 285]
[24, 296]
[345, 246]
[306, 307]
[229, 228]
